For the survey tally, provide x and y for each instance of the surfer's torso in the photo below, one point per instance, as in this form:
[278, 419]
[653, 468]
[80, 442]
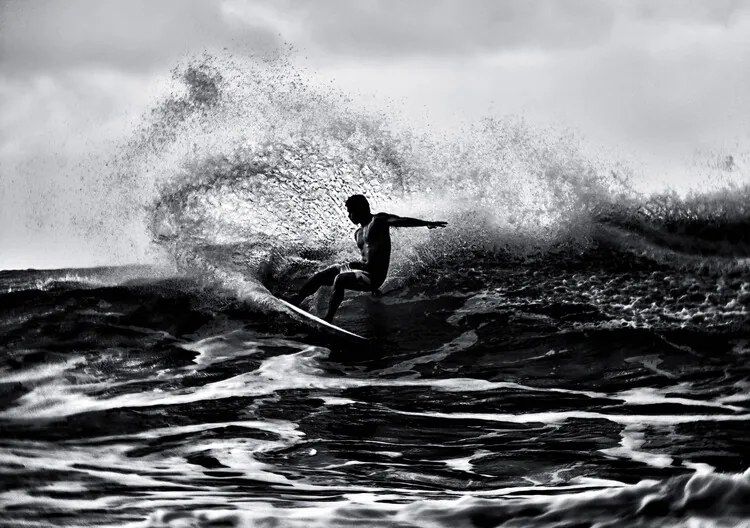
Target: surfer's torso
[374, 242]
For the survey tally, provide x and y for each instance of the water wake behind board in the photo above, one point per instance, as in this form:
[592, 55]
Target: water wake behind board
[321, 324]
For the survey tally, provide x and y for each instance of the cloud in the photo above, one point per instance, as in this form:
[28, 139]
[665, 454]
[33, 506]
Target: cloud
[661, 85]
[142, 34]
[47, 35]
[444, 27]
[433, 28]
[719, 12]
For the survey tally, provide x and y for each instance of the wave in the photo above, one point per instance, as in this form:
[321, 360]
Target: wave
[251, 163]
[78, 279]
[703, 498]
[715, 224]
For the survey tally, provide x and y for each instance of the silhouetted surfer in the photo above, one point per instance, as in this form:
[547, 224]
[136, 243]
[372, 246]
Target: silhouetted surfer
[374, 241]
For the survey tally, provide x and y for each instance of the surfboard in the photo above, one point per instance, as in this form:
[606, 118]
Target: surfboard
[332, 328]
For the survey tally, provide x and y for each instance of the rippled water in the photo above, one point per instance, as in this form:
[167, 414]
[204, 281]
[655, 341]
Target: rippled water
[488, 395]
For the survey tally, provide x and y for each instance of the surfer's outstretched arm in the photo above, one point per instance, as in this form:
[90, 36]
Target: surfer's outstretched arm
[404, 221]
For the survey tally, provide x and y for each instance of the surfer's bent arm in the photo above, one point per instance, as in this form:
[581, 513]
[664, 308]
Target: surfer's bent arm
[404, 221]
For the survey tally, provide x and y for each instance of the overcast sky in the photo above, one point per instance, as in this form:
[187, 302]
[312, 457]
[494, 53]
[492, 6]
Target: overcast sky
[655, 78]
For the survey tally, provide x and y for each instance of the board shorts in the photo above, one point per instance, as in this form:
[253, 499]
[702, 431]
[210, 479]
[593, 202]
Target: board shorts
[364, 278]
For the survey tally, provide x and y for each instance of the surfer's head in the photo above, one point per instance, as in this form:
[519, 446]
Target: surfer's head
[358, 207]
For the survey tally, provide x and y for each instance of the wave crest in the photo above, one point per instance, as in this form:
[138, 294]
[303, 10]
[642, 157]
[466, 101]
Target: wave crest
[253, 163]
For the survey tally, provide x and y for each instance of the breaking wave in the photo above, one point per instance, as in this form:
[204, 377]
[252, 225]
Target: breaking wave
[250, 164]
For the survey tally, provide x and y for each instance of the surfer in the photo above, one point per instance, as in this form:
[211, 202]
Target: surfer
[374, 241]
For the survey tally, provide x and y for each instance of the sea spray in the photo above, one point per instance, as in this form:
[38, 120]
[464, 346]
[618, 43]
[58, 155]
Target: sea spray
[251, 165]
[243, 169]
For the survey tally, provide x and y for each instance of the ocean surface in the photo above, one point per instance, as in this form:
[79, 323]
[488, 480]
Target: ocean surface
[568, 352]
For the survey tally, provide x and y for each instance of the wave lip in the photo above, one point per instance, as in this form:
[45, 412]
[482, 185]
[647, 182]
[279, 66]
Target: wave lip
[79, 278]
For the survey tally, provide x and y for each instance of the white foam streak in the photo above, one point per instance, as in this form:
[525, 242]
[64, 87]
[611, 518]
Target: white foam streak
[19, 498]
[633, 437]
[41, 372]
[465, 463]
[100, 464]
[651, 396]
[281, 427]
[553, 417]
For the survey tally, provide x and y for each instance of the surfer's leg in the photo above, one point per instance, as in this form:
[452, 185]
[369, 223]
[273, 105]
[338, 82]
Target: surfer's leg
[349, 280]
[322, 278]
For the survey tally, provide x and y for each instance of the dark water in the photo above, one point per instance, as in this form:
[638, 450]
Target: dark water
[567, 352]
[603, 391]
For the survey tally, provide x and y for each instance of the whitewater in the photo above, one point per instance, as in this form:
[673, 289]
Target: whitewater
[569, 351]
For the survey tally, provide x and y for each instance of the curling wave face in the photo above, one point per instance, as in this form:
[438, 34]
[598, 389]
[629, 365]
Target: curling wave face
[253, 166]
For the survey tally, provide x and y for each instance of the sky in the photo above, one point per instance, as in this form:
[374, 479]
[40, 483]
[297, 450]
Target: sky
[654, 80]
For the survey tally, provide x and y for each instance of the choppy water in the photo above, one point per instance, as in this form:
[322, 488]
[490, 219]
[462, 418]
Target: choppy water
[524, 395]
[568, 352]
